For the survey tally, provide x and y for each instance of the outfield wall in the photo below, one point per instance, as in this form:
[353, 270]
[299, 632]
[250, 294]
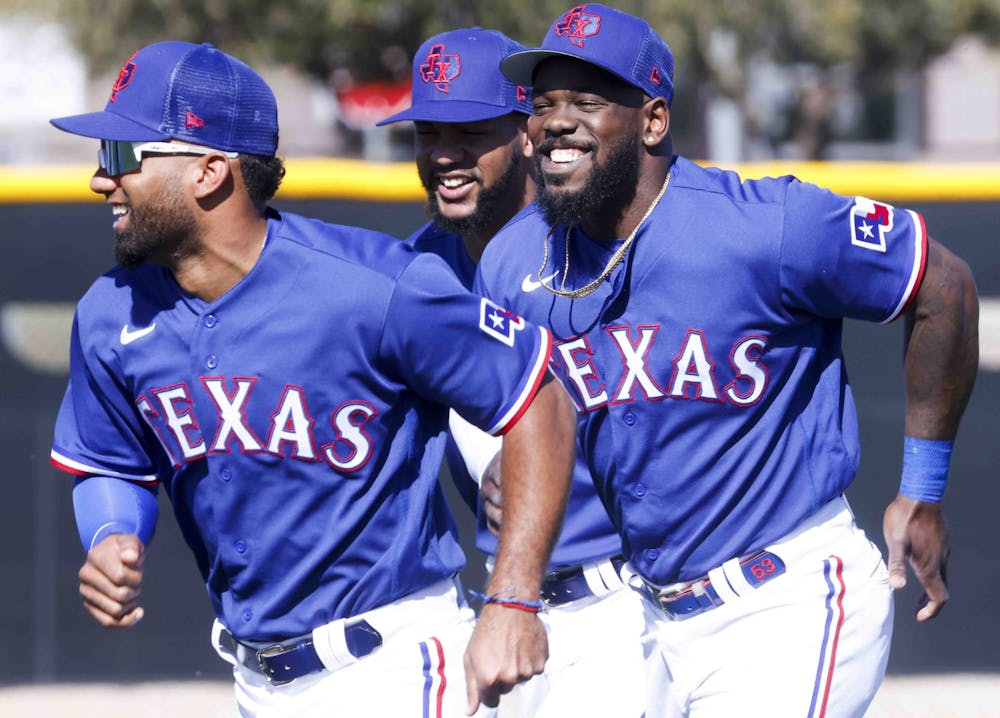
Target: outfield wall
[56, 239]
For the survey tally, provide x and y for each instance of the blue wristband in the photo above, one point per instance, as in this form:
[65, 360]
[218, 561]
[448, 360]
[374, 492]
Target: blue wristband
[925, 469]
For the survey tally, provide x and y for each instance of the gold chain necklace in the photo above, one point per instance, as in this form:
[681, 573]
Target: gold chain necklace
[616, 258]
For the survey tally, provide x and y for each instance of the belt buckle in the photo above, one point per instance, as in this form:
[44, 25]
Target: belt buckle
[695, 598]
[669, 594]
[266, 654]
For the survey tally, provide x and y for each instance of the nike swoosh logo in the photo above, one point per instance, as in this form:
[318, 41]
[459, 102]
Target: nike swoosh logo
[529, 285]
[128, 337]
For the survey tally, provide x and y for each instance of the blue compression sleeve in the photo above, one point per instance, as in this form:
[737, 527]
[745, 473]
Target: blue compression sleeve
[105, 506]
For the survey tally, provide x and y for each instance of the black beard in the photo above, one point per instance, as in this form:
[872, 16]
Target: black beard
[608, 191]
[154, 230]
[488, 206]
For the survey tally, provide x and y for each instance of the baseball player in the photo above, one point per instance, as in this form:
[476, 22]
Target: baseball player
[698, 321]
[469, 146]
[283, 380]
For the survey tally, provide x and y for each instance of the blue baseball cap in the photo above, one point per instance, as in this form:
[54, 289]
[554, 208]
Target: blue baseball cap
[624, 45]
[457, 78]
[183, 91]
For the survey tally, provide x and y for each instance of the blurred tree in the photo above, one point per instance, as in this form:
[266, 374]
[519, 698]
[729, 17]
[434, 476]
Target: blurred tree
[316, 36]
[884, 43]
[715, 42]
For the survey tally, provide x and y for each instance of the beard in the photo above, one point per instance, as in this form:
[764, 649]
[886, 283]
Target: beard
[488, 206]
[607, 193]
[155, 229]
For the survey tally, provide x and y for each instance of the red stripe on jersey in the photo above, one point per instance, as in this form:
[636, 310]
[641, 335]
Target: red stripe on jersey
[536, 384]
[922, 236]
[69, 469]
[74, 468]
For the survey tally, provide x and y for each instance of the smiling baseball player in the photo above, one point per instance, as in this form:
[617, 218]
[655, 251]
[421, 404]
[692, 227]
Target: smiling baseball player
[470, 139]
[282, 379]
[698, 324]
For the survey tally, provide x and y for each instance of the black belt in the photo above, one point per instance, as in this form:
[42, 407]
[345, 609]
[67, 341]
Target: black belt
[284, 662]
[568, 584]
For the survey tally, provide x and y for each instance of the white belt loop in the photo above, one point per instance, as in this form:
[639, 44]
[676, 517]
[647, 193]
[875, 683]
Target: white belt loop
[595, 580]
[612, 579]
[330, 643]
[737, 579]
[217, 644]
[717, 576]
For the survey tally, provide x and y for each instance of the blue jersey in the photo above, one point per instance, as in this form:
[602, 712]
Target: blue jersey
[450, 247]
[587, 532]
[292, 421]
[717, 412]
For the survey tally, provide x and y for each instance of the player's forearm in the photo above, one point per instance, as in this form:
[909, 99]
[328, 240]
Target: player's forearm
[536, 471]
[942, 349]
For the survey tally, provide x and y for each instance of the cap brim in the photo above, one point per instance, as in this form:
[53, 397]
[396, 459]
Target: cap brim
[519, 67]
[449, 111]
[106, 125]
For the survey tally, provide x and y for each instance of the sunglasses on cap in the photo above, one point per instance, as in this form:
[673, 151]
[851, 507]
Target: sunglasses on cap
[117, 157]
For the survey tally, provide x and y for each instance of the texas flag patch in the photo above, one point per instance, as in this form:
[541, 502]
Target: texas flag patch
[870, 223]
[498, 322]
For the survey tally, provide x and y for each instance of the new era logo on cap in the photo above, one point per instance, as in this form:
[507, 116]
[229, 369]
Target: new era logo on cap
[183, 91]
[457, 78]
[622, 44]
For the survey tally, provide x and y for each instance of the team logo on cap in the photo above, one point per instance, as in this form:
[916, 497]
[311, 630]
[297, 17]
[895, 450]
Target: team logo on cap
[870, 223]
[578, 25]
[439, 68]
[125, 76]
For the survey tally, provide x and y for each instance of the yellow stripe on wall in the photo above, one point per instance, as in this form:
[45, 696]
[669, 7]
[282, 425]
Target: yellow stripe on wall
[910, 181]
[327, 178]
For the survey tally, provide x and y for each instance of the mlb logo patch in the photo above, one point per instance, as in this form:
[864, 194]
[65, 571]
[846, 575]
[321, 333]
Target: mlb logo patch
[498, 322]
[870, 223]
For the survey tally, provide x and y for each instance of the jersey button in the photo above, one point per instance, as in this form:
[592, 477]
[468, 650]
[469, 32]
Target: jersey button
[212, 361]
[652, 554]
[629, 418]
[211, 321]
[639, 490]
[226, 474]
[240, 545]
[247, 614]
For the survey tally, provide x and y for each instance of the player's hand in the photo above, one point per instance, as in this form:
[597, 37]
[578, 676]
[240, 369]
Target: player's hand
[489, 493]
[507, 647]
[110, 581]
[915, 534]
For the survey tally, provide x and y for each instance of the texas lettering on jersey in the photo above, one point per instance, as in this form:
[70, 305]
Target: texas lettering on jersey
[290, 430]
[692, 374]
